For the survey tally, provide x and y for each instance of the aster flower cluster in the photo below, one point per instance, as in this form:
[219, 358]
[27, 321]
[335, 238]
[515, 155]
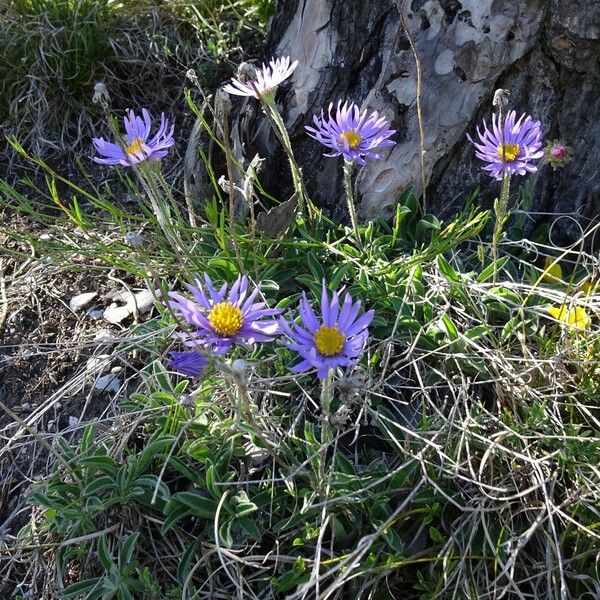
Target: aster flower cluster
[220, 319]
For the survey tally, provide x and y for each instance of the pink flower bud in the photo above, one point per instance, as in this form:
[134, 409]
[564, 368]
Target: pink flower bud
[558, 152]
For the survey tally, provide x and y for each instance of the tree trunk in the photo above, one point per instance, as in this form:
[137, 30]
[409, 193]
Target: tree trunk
[546, 52]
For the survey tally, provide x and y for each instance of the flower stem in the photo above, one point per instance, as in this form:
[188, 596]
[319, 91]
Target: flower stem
[326, 396]
[350, 200]
[326, 434]
[279, 127]
[501, 209]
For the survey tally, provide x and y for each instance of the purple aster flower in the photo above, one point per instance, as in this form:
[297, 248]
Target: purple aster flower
[191, 363]
[136, 146]
[353, 134]
[222, 319]
[510, 148]
[267, 79]
[336, 340]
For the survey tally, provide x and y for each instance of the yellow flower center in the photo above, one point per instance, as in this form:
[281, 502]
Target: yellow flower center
[353, 138]
[329, 341]
[135, 147]
[508, 152]
[226, 319]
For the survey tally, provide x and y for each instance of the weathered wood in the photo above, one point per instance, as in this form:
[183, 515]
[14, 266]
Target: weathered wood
[546, 52]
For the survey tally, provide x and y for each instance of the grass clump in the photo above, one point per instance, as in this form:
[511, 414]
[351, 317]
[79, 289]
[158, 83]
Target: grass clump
[54, 51]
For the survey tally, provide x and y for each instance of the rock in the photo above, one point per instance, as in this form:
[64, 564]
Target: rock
[115, 314]
[98, 364]
[76, 303]
[143, 301]
[95, 313]
[107, 383]
[105, 336]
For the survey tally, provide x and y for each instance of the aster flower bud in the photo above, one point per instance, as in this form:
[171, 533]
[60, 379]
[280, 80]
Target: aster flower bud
[501, 98]
[239, 366]
[101, 95]
[246, 72]
[557, 154]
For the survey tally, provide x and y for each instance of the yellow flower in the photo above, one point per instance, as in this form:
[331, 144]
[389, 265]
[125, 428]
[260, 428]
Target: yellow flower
[552, 270]
[571, 317]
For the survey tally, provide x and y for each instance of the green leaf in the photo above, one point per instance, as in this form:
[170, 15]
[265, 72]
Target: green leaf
[314, 266]
[174, 512]
[478, 331]
[126, 552]
[225, 534]
[338, 275]
[82, 588]
[435, 535]
[449, 327]
[488, 272]
[103, 554]
[200, 505]
[97, 486]
[446, 268]
[250, 527]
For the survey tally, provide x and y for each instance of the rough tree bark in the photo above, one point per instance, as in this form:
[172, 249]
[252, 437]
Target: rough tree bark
[546, 52]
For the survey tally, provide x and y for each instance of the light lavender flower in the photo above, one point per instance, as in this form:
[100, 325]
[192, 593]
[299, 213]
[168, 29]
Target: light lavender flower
[190, 363]
[511, 147]
[267, 79]
[136, 146]
[335, 340]
[353, 134]
[221, 319]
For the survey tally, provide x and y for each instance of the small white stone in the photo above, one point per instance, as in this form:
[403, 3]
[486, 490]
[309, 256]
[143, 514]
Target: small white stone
[133, 239]
[105, 335]
[115, 314]
[73, 421]
[95, 313]
[81, 301]
[142, 301]
[98, 364]
[107, 383]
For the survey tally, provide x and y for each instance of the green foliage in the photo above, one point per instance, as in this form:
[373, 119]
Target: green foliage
[457, 460]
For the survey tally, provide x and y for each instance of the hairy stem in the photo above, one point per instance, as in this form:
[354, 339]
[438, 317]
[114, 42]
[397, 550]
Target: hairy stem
[350, 200]
[501, 209]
